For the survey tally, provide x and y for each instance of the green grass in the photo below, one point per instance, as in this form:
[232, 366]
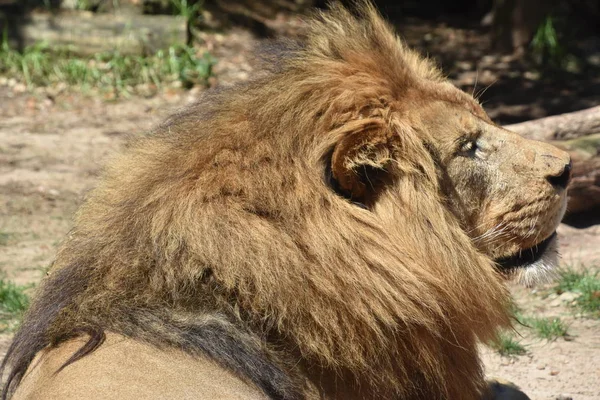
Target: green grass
[39, 66]
[546, 328]
[13, 303]
[545, 45]
[187, 8]
[83, 5]
[586, 284]
[4, 238]
[506, 345]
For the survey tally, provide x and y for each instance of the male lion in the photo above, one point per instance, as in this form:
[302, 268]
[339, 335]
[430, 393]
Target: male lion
[335, 229]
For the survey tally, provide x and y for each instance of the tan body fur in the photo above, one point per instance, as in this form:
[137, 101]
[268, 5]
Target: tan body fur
[329, 230]
[126, 369]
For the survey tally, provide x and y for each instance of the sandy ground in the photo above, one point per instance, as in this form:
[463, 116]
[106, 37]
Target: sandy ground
[52, 149]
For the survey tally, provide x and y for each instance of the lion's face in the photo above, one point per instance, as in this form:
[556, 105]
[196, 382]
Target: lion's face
[509, 193]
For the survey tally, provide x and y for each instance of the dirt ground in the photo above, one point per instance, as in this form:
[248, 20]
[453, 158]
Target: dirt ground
[566, 368]
[52, 149]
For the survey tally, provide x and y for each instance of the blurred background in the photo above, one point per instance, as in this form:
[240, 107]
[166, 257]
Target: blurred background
[77, 77]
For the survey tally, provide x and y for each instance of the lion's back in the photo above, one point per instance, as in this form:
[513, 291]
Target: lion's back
[126, 369]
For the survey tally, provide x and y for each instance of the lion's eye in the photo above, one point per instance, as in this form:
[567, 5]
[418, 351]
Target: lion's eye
[468, 148]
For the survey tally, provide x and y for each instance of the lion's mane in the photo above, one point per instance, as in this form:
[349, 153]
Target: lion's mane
[219, 234]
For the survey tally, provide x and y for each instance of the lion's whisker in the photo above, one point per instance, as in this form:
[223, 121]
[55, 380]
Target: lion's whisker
[475, 84]
[482, 92]
[491, 233]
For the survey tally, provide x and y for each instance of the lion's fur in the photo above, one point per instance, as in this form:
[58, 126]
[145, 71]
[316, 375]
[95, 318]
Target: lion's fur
[144, 373]
[218, 234]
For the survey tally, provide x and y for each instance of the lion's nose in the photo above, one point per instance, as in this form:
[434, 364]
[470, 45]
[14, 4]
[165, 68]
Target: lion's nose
[562, 179]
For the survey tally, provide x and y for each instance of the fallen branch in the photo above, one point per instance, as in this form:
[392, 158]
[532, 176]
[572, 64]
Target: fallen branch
[561, 127]
[578, 133]
[584, 191]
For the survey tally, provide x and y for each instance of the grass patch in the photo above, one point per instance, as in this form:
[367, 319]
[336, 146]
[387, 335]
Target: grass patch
[187, 8]
[13, 303]
[585, 283]
[84, 5]
[506, 345]
[546, 328]
[4, 238]
[40, 66]
[545, 46]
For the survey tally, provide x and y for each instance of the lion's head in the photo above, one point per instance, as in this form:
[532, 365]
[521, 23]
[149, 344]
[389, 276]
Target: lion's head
[508, 193]
[342, 219]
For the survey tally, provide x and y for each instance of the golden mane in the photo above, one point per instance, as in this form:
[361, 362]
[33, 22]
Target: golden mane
[222, 224]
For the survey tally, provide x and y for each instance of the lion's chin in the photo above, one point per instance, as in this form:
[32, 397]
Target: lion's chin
[535, 265]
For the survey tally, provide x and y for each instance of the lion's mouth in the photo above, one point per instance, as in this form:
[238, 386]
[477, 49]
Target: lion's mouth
[526, 257]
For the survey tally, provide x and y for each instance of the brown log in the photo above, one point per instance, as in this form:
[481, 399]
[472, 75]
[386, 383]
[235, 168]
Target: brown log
[578, 133]
[87, 33]
[584, 191]
[561, 127]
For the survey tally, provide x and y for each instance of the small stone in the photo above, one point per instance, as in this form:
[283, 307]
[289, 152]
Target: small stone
[31, 103]
[19, 88]
[464, 65]
[568, 297]
[531, 75]
[48, 102]
[594, 59]
[555, 303]
[489, 59]
[554, 372]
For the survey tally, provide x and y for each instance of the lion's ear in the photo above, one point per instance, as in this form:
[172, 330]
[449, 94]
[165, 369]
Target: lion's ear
[362, 160]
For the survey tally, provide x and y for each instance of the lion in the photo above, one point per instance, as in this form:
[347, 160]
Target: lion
[340, 227]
